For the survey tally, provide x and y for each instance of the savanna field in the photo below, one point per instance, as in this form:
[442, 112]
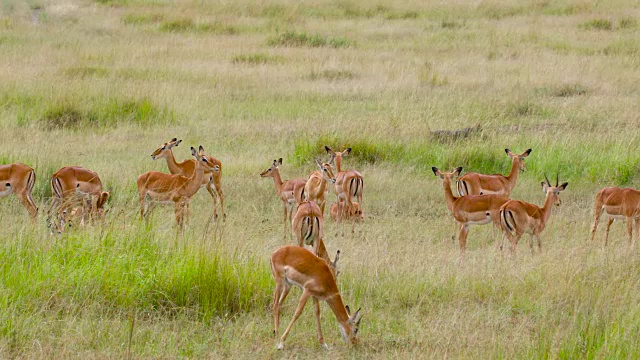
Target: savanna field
[101, 84]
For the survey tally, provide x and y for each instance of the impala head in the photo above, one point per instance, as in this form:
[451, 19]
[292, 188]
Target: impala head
[203, 160]
[450, 175]
[518, 158]
[354, 323]
[336, 156]
[104, 196]
[326, 170]
[163, 150]
[553, 190]
[272, 169]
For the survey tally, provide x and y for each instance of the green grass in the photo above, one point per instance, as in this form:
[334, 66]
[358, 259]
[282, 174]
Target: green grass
[397, 81]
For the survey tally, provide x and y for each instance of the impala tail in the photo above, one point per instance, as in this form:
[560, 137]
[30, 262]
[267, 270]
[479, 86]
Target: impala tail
[461, 185]
[31, 181]
[507, 220]
[310, 229]
[357, 184]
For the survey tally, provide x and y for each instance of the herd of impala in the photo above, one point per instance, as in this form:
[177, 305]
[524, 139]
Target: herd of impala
[482, 199]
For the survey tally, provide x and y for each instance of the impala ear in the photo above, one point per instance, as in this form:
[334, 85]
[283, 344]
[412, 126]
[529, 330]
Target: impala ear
[563, 186]
[526, 153]
[437, 172]
[201, 150]
[280, 161]
[317, 161]
[193, 152]
[348, 310]
[335, 260]
[346, 152]
[458, 171]
[329, 150]
[544, 186]
[508, 152]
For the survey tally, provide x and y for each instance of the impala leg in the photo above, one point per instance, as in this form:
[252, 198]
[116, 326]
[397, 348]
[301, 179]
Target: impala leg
[221, 197]
[514, 242]
[316, 306]
[637, 228]
[539, 244]
[455, 228]
[606, 233]
[464, 231]
[27, 202]
[531, 244]
[598, 214]
[303, 301]
[179, 210]
[630, 229]
[280, 293]
[285, 220]
[214, 197]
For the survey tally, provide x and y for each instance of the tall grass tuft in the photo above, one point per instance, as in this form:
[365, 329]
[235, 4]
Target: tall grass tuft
[302, 39]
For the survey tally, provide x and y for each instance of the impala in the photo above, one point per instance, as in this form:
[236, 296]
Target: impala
[480, 184]
[212, 179]
[471, 209]
[172, 188]
[291, 192]
[356, 212]
[519, 217]
[293, 265]
[349, 184]
[19, 179]
[618, 204]
[316, 187]
[74, 186]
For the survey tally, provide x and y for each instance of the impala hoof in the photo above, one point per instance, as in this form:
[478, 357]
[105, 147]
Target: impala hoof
[325, 346]
[280, 346]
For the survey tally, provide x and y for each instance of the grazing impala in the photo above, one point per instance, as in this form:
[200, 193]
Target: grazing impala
[19, 179]
[212, 179]
[74, 186]
[172, 188]
[471, 209]
[316, 187]
[349, 184]
[291, 192]
[518, 217]
[618, 204]
[480, 184]
[293, 265]
[356, 212]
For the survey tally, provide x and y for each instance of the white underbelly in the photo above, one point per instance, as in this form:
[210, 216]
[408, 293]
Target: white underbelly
[480, 222]
[616, 217]
[6, 191]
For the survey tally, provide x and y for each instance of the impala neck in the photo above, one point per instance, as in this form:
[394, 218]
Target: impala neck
[546, 208]
[448, 194]
[172, 164]
[277, 180]
[512, 178]
[338, 161]
[196, 178]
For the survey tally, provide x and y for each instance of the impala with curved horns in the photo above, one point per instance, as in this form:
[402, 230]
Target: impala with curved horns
[291, 192]
[19, 179]
[75, 186]
[293, 265]
[471, 209]
[480, 184]
[349, 184]
[618, 204]
[519, 217]
[172, 188]
[316, 187]
[212, 179]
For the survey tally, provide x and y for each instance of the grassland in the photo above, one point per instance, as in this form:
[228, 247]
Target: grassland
[101, 83]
